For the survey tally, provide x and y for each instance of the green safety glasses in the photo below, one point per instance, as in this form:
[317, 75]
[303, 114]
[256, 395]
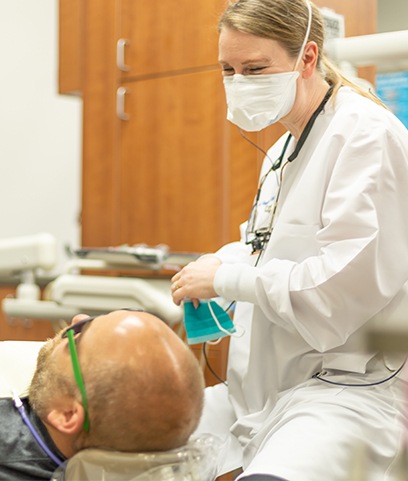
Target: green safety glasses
[70, 334]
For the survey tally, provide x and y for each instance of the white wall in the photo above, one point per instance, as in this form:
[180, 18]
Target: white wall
[40, 131]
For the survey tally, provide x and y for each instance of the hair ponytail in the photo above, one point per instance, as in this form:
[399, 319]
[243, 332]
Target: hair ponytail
[334, 77]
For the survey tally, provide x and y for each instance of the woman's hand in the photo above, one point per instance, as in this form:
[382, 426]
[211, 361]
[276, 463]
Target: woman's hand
[196, 280]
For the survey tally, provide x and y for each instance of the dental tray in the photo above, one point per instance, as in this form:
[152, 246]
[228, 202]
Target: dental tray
[138, 255]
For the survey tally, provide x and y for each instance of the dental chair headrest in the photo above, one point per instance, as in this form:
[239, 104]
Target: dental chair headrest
[197, 461]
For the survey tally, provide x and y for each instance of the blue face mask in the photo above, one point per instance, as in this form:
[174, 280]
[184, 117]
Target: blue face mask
[207, 322]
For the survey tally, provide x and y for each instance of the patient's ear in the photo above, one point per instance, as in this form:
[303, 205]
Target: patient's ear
[68, 419]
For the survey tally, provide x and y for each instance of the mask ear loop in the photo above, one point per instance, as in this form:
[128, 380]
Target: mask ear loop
[309, 26]
[217, 322]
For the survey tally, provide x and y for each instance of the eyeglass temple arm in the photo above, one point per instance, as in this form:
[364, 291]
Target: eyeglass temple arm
[78, 376]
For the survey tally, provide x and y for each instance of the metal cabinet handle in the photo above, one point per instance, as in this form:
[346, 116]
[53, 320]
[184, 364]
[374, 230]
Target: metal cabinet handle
[120, 103]
[120, 55]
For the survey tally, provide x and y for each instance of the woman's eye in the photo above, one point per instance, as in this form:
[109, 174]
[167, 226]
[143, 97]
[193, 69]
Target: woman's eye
[227, 70]
[256, 69]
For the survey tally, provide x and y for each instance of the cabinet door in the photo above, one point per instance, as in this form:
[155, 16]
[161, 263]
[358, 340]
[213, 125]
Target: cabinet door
[157, 36]
[172, 162]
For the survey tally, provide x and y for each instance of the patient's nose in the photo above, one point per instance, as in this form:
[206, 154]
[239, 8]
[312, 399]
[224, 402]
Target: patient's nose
[78, 318]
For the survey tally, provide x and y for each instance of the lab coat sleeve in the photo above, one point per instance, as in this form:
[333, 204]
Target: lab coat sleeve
[233, 253]
[362, 248]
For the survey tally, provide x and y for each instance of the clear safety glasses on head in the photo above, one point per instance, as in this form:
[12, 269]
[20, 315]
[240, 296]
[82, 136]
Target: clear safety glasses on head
[256, 101]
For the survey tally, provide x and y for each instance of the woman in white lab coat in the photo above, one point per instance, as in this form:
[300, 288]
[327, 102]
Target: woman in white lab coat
[323, 257]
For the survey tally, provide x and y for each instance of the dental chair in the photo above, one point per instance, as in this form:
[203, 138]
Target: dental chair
[197, 461]
[87, 285]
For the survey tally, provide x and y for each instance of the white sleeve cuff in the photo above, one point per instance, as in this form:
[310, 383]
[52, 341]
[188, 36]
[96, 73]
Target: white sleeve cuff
[236, 282]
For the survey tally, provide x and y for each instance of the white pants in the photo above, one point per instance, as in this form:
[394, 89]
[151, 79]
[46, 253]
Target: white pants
[319, 432]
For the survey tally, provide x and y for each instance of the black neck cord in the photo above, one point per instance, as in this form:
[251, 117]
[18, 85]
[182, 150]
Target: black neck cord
[207, 362]
[302, 139]
[316, 376]
[306, 131]
[279, 160]
[262, 238]
[367, 384]
[303, 136]
[210, 368]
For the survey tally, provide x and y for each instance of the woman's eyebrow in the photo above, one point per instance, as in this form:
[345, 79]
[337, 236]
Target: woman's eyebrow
[257, 60]
[249, 61]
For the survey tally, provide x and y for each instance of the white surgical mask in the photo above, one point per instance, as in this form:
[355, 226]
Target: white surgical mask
[256, 101]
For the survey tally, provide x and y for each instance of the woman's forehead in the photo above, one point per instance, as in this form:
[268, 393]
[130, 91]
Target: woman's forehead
[245, 47]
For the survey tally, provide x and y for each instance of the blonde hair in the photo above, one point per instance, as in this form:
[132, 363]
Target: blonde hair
[285, 21]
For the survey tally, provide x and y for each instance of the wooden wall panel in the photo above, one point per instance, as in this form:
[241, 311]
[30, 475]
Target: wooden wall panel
[70, 46]
[360, 16]
[100, 190]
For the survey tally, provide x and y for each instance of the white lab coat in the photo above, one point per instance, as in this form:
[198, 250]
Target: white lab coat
[337, 260]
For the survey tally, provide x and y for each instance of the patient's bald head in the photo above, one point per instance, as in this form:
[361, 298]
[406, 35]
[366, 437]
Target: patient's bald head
[144, 386]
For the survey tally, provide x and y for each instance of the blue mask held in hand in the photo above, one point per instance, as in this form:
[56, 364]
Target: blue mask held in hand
[207, 322]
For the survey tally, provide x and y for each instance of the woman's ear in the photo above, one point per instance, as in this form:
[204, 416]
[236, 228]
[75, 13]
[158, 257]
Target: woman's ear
[68, 418]
[309, 58]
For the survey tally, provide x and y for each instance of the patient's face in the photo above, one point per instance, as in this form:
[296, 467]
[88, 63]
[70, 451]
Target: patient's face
[56, 350]
[53, 375]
